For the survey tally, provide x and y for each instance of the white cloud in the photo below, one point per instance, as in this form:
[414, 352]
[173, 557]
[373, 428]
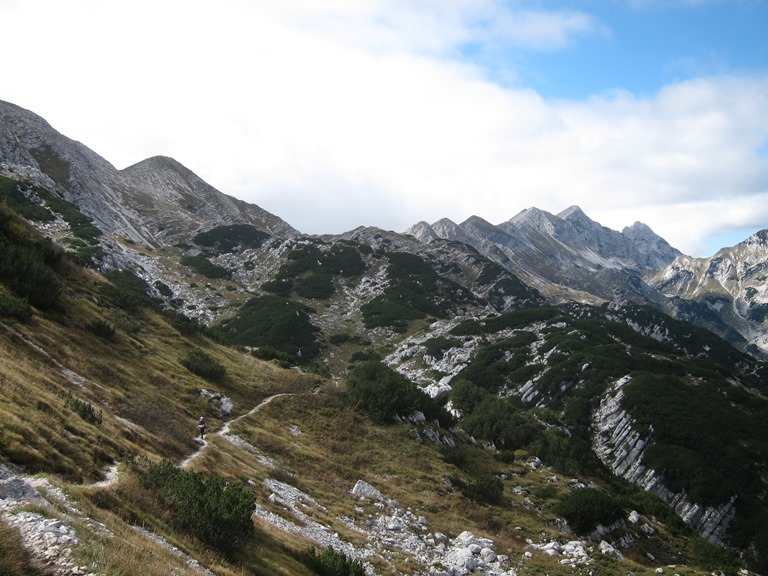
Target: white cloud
[369, 113]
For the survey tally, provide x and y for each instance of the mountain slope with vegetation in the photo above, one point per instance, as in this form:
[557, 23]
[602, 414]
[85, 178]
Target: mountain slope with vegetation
[99, 374]
[374, 402]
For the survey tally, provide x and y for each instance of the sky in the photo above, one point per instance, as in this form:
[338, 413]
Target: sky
[334, 114]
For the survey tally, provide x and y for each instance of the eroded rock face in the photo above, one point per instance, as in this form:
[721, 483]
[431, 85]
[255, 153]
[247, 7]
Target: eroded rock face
[620, 446]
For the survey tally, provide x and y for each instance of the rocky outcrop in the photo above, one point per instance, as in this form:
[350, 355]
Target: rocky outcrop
[390, 532]
[620, 446]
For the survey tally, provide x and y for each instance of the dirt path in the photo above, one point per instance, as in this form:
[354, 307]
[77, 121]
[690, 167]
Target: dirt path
[225, 429]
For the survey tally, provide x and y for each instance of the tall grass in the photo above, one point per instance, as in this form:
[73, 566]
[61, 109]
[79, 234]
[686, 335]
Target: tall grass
[15, 560]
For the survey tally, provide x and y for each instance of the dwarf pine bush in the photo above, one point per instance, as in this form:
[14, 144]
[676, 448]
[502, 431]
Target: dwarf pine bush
[200, 363]
[210, 508]
[331, 563]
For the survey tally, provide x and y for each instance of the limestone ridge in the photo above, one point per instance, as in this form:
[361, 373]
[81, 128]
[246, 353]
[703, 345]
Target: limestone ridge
[570, 257]
[620, 446]
[154, 202]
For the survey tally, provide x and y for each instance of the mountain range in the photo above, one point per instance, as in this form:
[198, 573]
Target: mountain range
[607, 356]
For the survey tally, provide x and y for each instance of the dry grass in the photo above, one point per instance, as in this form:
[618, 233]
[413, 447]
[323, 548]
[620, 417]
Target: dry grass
[14, 558]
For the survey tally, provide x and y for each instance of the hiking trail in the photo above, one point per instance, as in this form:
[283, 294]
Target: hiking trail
[224, 432]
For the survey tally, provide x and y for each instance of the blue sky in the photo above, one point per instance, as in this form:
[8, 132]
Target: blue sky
[336, 113]
[642, 48]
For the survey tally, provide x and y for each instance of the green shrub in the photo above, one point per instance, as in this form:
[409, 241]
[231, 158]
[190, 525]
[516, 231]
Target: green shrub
[85, 410]
[380, 391]
[502, 423]
[506, 456]
[273, 322]
[186, 325]
[363, 355]
[310, 271]
[101, 329]
[587, 508]
[227, 238]
[456, 456]
[317, 285]
[25, 263]
[210, 508]
[701, 442]
[416, 291]
[126, 290]
[269, 353]
[340, 338]
[39, 204]
[437, 347]
[163, 289]
[205, 267]
[465, 395]
[12, 194]
[487, 489]
[13, 307]
[200, 363]
[331, 563]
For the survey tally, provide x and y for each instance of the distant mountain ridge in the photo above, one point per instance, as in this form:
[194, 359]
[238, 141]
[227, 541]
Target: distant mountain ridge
[154, 202]
[159, 202]
[570, 257]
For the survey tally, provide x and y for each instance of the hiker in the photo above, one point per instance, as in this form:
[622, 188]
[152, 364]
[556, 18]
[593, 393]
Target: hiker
[201, 426]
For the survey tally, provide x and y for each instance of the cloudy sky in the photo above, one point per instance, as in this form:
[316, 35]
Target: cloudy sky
[338, 113]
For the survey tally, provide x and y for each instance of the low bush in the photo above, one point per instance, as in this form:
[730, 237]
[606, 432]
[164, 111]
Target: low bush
[228, 238]
[13, 307]
[456, 456]
[274, 322]
[587, 508]
[101, 329]
[85, 410]
[205, 267]
[382, 393]
[163, 288]
[210, 508]
[126, 290]
[26, 261]
[331, 563]
[269, 353]
[200, 363]
[487, 489]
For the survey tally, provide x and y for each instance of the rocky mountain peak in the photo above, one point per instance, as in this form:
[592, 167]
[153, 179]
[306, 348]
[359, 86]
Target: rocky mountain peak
[156, 201]
[423, 232]
[534, 219]
[575, 214]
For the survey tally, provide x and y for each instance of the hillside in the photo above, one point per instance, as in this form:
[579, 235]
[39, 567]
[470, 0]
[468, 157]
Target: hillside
[96, 381]
[409, 402]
